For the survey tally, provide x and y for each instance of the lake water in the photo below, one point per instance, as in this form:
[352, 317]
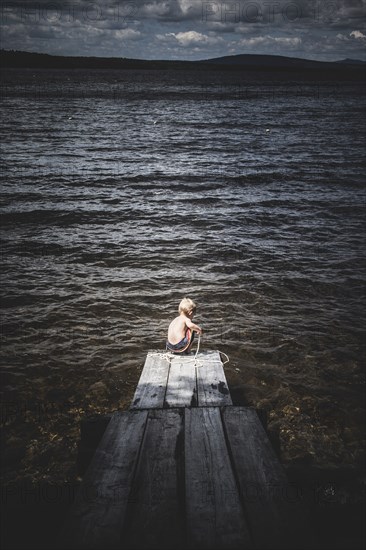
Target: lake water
[124, 191]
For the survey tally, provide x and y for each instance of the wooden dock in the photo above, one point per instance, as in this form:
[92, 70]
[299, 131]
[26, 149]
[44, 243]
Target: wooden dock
[184, 468]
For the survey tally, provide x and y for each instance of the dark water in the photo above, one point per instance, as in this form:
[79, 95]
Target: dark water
[122, 192]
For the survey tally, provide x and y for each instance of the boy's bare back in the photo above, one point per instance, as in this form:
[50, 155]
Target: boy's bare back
[178, 327]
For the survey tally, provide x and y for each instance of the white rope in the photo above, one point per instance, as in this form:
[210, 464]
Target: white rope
[197, 362]
[198, 346]
[227, 357]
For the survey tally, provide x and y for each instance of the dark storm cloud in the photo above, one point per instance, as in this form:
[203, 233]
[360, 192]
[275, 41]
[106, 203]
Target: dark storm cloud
[190, 29]
[340, 12]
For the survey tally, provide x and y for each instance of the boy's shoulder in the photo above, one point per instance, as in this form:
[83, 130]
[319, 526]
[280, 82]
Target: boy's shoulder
[178, 319]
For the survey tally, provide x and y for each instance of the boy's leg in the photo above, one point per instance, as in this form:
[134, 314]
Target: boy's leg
[188, 350]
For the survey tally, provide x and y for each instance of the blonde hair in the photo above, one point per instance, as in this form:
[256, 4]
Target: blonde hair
[187, 306]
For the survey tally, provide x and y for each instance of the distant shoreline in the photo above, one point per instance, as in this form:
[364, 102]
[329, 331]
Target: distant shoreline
[353, 69]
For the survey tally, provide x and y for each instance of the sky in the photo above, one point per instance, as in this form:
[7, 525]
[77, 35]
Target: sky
[325, 30]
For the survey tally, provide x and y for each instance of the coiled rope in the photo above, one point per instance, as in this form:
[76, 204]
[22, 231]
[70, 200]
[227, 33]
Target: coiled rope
[197, 362]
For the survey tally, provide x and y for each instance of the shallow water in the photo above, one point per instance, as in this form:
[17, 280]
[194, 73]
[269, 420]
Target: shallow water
[124, 191]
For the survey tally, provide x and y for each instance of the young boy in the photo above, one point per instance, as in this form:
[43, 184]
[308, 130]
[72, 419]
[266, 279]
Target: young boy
[181, 329]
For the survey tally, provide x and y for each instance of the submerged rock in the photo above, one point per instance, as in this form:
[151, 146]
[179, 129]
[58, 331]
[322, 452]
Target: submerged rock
[98, 389]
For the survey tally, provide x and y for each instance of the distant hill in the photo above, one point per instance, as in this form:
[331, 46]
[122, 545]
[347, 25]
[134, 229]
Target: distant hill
[41, 60]
[276, 61]
[241, 62]
[352, 61]
[280, 62]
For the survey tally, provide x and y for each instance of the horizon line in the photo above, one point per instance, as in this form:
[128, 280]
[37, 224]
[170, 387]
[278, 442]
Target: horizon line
[181, 60]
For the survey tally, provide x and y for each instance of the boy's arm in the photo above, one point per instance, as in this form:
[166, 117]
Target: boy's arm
[192, 325]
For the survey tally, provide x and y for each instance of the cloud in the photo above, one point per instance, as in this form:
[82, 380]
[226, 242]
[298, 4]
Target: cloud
[187, 6]
[155, 9]
[342, 37]
[195, 38]
[127, 34]
[270, 40]
[358, 35]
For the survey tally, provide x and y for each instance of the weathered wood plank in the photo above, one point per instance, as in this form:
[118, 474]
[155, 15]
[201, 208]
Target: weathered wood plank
[182, 386]
[214, 515]
[97, 515]
[155, 519]
[212, 388]
[151, 388]
[272, 504]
